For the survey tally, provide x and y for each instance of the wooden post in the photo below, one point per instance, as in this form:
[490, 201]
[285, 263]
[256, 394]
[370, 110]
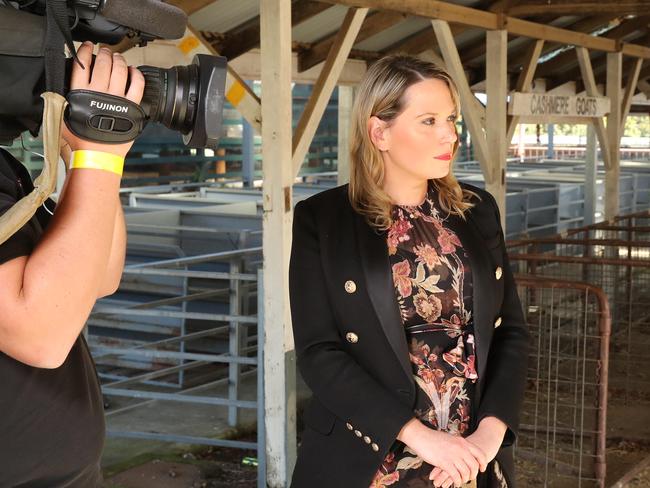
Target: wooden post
[613, 169]
[632, 80]
[592, 90]
[591, 173]
[346, 98]
[279, 354]
[550, 145]
[472, 115]
[525, 81]
[496, 130]
[323, 88]
[248, 155]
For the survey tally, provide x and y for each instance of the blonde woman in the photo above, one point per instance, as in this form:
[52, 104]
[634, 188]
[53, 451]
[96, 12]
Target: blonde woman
[406, 319]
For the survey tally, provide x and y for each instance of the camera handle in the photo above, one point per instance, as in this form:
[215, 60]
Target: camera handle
[102, 117]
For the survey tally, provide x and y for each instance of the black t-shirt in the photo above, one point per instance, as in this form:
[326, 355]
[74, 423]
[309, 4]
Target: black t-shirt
[51, 420]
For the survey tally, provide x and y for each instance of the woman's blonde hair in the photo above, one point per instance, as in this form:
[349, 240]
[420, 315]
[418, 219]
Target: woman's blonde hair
[381, 93]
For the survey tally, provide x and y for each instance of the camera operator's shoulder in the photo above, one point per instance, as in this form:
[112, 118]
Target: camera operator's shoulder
[9, 179]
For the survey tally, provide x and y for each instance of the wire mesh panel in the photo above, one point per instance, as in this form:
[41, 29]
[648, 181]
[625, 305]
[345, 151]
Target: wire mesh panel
[616, 258]
[563, 423]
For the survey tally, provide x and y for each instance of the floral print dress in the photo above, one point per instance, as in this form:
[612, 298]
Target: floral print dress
[433, 286]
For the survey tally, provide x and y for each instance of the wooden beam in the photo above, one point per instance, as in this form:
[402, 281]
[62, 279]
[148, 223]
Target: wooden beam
[567, 59]
[614, 122]
[600, 69]
[502, 6]
[245, 37]
[644, 87]
[414, 44]
[374, 24]
[573, 7]
[436, 9]
[430, 9]
[525, 81]
[592, 90]
[279, 383]
[518, 56]
[432, 56]
[323, 88]
[630, 90]
[190, 6]
[496, 111]
[248, 66]
[471, 114]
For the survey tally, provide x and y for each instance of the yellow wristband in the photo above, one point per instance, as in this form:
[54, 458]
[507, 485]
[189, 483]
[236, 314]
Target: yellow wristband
[97, 160]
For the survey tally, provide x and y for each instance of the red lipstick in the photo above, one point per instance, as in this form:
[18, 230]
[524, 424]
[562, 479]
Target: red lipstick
[444, 157]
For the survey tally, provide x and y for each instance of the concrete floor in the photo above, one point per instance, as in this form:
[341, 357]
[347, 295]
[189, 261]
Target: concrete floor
[174, 418]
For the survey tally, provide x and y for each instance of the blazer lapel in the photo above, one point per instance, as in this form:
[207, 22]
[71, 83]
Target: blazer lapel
[373, 250]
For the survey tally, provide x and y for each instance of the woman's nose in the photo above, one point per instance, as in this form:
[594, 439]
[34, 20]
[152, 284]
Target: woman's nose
[450, 135]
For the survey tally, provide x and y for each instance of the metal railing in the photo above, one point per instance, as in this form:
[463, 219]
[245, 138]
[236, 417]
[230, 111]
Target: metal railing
[564, 417]
[613, 256]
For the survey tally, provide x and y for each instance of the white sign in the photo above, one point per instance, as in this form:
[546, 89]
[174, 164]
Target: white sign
[544, 105]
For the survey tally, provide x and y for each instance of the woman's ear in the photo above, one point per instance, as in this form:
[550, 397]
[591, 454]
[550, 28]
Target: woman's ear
[379, 133]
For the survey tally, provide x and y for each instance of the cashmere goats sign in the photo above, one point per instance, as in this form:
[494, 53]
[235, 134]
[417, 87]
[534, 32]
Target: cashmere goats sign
[544, 106]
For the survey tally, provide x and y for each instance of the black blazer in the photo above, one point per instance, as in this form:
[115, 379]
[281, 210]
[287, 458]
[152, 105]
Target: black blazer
[351, 347]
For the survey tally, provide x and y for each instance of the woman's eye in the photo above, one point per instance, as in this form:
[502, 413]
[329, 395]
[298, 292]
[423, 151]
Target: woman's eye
[430, 121]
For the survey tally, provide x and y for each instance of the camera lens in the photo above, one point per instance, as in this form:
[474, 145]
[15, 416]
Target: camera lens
[188, 99]
[170, 96]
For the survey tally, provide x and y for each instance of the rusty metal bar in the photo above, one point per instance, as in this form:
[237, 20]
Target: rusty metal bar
[554, 299]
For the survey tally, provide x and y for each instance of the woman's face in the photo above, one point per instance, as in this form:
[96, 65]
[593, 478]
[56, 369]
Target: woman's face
[417, 145]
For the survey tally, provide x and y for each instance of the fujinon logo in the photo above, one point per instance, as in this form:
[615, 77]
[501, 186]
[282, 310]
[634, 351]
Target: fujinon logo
[109, 106]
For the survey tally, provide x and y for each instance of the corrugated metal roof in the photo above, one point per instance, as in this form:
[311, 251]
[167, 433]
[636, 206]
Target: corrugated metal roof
[319, 26]
[393, 34]
[224, 15]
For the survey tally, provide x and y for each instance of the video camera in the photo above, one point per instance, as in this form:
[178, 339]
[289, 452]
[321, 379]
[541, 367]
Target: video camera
[188, 99]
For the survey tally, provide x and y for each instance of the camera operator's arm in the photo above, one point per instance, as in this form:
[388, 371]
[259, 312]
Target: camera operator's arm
[46, 297]
[115, 265]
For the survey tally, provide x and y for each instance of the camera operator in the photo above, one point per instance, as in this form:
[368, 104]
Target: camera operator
[51, 274]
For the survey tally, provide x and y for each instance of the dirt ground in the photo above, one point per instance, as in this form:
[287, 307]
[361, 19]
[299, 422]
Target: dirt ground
[215, 467]
[208, 467]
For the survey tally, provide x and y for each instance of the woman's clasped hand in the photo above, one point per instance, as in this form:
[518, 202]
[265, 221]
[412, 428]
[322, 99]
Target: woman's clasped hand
[457, 460]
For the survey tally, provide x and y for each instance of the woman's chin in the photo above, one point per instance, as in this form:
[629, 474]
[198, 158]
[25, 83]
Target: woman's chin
[439, 173]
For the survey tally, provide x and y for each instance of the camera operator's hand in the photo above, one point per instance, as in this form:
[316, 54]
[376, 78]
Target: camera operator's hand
[110, 74]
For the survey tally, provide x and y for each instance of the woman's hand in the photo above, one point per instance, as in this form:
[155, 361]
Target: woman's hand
[458, 458]
[110, 74]
[487, 437]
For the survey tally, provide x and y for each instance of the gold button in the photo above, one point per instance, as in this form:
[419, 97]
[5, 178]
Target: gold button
[375, 447]
[357, 433]
[497, 322]
[498, 272]
[352, 337]
[367, 440]
[349, 426]
[350, 286]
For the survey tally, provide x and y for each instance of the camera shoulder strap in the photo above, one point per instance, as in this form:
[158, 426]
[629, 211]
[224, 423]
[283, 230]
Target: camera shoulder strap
[57, 32]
